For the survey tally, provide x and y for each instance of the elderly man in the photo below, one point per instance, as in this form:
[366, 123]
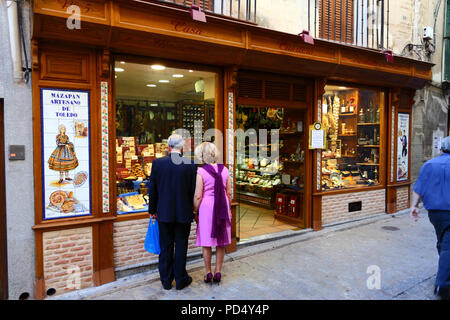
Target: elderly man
[433, 187]
[171, 194]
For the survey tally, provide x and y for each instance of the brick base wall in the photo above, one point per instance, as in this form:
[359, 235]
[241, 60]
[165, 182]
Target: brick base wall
[129, 237]
[68, 259]
[402, 198]
[335, 207]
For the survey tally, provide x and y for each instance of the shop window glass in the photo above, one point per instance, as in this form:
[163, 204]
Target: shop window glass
[151, 103]
[352, 118]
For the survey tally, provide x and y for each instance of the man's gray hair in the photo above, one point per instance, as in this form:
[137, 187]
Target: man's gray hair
[446, 145]
[176, 141]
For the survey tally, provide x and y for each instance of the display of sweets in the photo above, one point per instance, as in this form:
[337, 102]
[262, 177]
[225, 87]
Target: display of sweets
[137, 171]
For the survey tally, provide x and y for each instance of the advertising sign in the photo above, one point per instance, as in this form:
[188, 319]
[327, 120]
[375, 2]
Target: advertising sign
[65, 153]
[402, 147]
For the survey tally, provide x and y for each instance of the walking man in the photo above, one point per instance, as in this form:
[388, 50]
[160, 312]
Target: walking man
[433, 187]
[171, 193]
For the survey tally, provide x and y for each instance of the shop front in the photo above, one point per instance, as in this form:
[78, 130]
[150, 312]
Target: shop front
[107, 96]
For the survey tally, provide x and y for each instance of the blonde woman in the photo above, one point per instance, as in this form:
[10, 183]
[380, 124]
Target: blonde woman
[212, 208]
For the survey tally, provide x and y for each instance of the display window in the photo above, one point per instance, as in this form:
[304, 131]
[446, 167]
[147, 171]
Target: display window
[353, 120]
[152, 102]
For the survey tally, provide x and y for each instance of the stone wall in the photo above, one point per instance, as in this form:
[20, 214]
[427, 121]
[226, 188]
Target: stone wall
[429, 115]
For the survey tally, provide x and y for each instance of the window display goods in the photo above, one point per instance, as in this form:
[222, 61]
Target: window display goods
[352, 119]
[152, 102]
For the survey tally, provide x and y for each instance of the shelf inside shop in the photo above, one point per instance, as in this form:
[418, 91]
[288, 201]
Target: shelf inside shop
[367, 164]
[259, 146]
[251, 194]
[368, 145]
[254, 198]
[259, 171]
[292, 161]
[291, 133]
[288, 188]
[368, 124]
[347, 114]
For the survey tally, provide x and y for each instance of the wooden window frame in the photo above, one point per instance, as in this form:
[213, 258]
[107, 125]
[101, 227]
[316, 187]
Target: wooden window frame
[329, 29]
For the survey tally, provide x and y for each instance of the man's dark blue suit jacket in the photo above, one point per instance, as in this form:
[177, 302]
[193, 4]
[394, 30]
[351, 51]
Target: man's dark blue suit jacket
[172, 187]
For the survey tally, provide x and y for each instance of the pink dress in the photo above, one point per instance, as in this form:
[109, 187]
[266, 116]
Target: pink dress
[205, 212]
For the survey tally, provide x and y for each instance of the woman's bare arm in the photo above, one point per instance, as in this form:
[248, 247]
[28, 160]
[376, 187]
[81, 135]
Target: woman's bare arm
[229, 189]
[198, 192]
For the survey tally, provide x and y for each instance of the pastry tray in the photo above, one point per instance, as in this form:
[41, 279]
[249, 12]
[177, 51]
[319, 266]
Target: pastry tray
[124, 195]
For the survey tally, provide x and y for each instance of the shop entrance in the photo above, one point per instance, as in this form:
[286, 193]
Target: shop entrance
[271, 155]
[3, 245]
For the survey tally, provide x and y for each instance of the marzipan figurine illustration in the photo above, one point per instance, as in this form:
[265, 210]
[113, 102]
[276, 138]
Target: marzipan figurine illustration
[63, 158]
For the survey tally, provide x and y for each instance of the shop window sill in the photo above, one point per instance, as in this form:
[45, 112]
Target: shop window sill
[341, 191]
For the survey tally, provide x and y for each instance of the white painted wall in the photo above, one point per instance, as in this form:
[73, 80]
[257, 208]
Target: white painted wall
[19, 174]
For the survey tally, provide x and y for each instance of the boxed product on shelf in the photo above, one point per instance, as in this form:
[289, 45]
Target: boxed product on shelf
[293, 206]
[122, 173]
[281, 203]
[126, 141]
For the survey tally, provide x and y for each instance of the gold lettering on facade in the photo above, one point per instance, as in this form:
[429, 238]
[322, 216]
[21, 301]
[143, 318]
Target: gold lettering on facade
[286, 46]
[183, 26]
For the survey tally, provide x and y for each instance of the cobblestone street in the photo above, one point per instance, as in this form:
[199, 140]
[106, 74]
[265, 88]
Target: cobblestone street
[334, 263]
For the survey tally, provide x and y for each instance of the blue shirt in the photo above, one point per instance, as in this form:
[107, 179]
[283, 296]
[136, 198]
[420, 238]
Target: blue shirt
[433, 183]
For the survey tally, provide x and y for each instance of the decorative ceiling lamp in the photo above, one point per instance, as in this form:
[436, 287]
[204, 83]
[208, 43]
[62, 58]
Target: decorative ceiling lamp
[199, 86]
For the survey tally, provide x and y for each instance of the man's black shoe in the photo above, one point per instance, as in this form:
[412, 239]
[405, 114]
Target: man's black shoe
[444, 294]
[188, 282]
[167, 286]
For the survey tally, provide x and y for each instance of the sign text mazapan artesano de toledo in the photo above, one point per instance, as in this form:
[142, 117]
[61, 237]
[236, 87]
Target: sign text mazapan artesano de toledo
[66, 100]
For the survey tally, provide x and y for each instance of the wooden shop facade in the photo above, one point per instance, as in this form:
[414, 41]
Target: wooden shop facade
[110, 92]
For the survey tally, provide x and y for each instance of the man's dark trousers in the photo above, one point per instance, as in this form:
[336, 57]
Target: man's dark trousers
[441, 223]
[171, 234]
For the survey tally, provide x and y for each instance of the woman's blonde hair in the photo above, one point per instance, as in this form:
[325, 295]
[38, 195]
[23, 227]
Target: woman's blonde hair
[207, 152]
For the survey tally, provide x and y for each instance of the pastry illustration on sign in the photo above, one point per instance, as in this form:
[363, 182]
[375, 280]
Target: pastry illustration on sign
[63, 158]
[64, 202]
[79, 179]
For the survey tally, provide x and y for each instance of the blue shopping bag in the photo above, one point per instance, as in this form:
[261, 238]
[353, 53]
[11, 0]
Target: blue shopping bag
[151, 243]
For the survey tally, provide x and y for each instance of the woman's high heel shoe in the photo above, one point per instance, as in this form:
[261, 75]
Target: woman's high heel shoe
[217, 277]
[208, 278]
